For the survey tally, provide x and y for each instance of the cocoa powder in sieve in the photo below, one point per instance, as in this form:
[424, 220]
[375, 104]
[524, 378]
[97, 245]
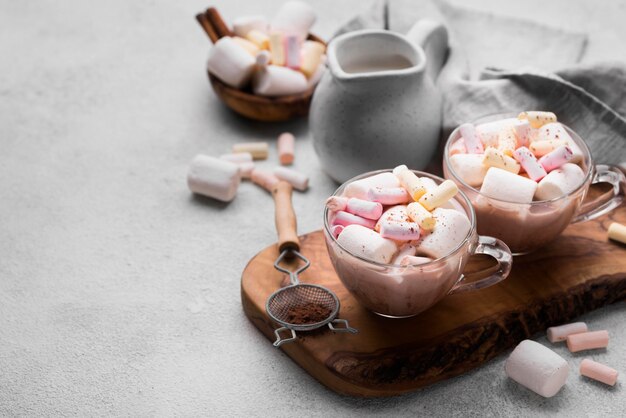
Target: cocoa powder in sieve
[308, 313]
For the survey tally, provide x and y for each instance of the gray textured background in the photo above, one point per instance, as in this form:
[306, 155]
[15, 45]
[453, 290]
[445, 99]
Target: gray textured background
[119, 292]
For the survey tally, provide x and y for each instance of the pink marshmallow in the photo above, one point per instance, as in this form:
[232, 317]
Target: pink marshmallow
[472, 142]
[388, 195]
[529, 163]
[336, 203]
[345, 219]
[599, 372]
[335, 230]
[364, 208]
[400, 231]
[556, 158]
[458, 147]
[410, 260]
[292, 47]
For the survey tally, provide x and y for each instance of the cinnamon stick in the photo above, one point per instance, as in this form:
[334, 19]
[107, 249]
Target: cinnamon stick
[208, 28]
[217, 22]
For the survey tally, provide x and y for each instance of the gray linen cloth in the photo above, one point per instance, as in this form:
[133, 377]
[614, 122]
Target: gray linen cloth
[499, 64]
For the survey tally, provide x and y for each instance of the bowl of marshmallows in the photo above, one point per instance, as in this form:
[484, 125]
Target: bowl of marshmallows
[265, 69]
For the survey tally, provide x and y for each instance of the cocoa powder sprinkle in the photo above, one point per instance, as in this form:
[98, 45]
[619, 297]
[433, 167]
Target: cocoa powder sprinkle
[308, 313]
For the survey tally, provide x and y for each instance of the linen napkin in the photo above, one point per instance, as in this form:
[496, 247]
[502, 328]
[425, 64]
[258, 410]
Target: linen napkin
[499, 64]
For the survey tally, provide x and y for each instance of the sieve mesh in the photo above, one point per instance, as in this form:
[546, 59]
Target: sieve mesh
[320, 304]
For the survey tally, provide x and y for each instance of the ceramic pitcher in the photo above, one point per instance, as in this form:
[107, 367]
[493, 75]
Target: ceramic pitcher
[377, 105]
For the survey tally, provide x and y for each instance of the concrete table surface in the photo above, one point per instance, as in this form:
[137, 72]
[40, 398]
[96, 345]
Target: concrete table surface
[119, 291]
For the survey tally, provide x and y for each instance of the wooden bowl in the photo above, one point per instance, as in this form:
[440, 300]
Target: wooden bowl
[244, 102]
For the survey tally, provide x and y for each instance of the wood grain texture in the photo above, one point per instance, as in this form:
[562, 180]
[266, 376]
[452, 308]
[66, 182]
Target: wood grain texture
[579, 272]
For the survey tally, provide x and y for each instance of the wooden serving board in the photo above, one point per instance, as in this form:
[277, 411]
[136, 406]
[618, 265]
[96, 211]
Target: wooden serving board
[579, 272]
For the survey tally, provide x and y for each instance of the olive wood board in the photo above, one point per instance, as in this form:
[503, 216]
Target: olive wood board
[579, 272]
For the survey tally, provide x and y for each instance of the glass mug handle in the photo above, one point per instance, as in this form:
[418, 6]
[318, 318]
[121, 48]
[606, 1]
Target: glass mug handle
[498, 250]
[604, 174]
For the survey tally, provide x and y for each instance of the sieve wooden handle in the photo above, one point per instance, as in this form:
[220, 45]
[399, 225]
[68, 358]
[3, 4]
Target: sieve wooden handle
[285, 216]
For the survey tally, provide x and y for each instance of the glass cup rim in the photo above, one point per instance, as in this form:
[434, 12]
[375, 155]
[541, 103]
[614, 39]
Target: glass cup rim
[579, 141]
[468, 204]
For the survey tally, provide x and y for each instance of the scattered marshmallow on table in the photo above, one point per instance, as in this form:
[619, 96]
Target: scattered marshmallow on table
[367, 243]
[265, 179]
[258, 150]
[388, 195]
[537, 368]
[556, 158]
[537, 119]
[244, 24]
[299, 181]
[560, 333]
[439, 195]
[230, 62]
[469, 167]
[529, 163]
[496, 158]
[295, 17]
[560, 182]
[450, 230]
[212, 177]
[617, 232]
[504, 185]
[286, 148]
[344, 218]
[245, 169]
[587, 340]
[598, 371]
[359, 188]
[275, 80]
[237, 157]
[472, 142]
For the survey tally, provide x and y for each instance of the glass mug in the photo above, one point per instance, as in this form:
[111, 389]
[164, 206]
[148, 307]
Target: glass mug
[525, 227]
[397, 291]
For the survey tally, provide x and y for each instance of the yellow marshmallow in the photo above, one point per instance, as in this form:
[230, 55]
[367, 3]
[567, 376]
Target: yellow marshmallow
[507, 142]
[537, 119]
[259, 38]
[312, 52]
[421, 216]
[250, 47]
[439, 195]
[495, 158]
[617, 232]
[411, 183]
[277, 48]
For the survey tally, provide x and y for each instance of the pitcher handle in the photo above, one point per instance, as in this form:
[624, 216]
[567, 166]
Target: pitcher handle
[604, 174]
[432, 37]
[498, 250]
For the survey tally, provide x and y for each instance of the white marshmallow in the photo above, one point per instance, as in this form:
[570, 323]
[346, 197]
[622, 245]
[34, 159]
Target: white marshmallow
[245, 169]
[274, 80]
[243, 25]
[408, 249]
[294, 17]
[213, 177]
[556, 132]
[469, 167]
[560, 333]
[263, 59]
[537, 367]
[319, 72]
[488, 132]
[396, 213]
[230, 62]
[450, 230]
[504, 185]
[359, 188]
[364, 242]
[299, 181]
[560, 182]
[428, 183]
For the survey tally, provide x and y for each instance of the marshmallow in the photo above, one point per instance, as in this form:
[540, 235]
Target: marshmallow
[397, 170]
[292, 52]
[530, 164]
[504, 185]
[364, 208]
[537, 368]
[489, 132]
[262, 59]
[396, 213]
[238, 157]
[469, 167]
[496, 158]
[294, 17]
[336, 203]
[312, 52]
[298, 180]
[556, 158]
[359, 188]
[541, 148]
[245, 169]
[537, 119]
[388, 195]
[560, 333]
[598, 371]
[560, 182]
[335, 230]
[617, 232]
[264, 179]
[286, 146]
[409, 260]
[587, 340]
[243, 25]
[450, 230]
[470, 138]
[274, 80]
[407, 249]
[251, 48]
[345, 219]
[319, 72]
[557, 132]
[230, 62]
[523, 132]
[364, 242]
[260, 39]
[400, 231]
[411, 183]
[213, 177]
[259, 150]
[420, 215]
[457, 147]
[277, 48]
[440, 195]
[428, 183]
[507, 142]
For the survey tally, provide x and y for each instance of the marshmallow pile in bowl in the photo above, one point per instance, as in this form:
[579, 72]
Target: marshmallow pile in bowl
[398, 218]
[524, 159]
[273, 58]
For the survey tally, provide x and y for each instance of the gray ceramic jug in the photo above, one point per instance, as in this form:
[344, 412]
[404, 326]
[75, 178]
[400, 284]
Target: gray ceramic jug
[377, 105]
